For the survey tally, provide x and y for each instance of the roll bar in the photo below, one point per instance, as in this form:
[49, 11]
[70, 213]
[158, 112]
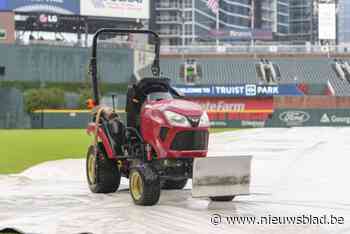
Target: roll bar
[93, 62]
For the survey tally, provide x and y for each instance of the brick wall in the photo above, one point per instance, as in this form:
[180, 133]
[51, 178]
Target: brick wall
[7, 24]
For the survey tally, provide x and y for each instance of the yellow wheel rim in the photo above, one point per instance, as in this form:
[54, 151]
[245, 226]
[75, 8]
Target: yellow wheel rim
[92, 169]
[136, 185]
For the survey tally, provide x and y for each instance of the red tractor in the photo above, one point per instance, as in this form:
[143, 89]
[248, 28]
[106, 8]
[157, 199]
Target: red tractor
[162, 145]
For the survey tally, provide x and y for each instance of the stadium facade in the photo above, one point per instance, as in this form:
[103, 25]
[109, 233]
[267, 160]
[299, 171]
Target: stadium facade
[187, 21]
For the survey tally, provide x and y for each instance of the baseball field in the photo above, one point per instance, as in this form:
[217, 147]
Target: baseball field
[21, 149]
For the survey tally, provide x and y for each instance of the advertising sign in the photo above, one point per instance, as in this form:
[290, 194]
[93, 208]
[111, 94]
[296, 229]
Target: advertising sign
[64, 7]
[241, 34]
[248, 90]
[235, 105]
[335, 118]
[236, 112]
[238, 124]
[294, 117]
[46, 19]
[309, 117]
[137, 9]
[327, 21]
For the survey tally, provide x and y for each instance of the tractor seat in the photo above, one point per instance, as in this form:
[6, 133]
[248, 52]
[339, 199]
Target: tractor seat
[117, 130]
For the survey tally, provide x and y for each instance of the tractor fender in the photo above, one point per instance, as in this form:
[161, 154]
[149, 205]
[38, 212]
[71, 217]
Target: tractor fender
[91, 129]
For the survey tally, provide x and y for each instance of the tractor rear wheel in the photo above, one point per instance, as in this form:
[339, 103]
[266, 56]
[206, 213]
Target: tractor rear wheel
[144, 185]
[103, 175]
[174, 184]
[222, 199]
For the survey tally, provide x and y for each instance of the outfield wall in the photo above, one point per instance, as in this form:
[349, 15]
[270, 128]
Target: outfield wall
[12, 113]
[278, 111]
[285, 112]
[281, 118]
[311, 102]
[67, 119]
[296, 117]
[298, 111]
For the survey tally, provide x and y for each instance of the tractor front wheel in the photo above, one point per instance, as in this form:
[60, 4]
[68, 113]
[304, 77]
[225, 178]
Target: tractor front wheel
[103, 175]
[144, 185]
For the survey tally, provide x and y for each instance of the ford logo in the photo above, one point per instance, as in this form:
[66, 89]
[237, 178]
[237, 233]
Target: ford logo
[294, 117]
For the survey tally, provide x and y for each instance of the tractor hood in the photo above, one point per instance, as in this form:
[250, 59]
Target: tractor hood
[183, 107]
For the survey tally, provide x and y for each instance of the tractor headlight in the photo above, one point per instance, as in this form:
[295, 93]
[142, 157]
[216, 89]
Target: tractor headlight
[176, 119]
[204, 122]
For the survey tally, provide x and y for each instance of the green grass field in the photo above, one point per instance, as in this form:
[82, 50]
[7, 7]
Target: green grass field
[21, 149]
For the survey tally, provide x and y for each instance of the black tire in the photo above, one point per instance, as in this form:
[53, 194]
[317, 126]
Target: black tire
[174, 184]
[222, 199]
[106, 177]
[148, 183]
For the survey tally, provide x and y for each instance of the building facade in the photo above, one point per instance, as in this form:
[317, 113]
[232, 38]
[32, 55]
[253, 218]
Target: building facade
[343, 22]
[303, 21]
[183, 22]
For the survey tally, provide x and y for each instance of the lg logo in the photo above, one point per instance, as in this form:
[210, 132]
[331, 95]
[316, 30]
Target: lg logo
[44, 19]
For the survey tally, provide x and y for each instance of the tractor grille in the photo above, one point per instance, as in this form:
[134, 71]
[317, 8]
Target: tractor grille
[190, 140]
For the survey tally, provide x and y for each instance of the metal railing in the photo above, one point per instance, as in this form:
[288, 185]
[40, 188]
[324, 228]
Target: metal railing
[212, 49]
[241, 49]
